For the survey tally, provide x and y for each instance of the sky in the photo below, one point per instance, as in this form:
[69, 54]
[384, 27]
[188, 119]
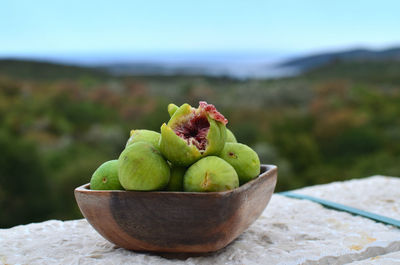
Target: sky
[46, 27]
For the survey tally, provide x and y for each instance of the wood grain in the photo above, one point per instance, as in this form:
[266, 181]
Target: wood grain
[163, 221]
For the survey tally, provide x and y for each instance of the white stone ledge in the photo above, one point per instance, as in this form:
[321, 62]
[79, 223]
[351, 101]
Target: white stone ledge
[290, 231]
[388, 259]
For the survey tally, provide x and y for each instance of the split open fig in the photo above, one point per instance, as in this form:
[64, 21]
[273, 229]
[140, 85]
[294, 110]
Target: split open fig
[193, 133]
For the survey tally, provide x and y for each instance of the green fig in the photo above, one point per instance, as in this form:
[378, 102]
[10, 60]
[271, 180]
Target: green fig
[192, 134]
[142, 167]
[244, 159]
[106, 177]
[172, 108]
[230, 137]
[148, 136]
[176, 179]
[210, 173]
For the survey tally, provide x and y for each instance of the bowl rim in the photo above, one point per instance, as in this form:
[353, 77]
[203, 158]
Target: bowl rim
[268, 173]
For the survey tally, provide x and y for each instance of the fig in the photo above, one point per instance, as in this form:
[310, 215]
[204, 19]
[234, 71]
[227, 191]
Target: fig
[176, 179]
[172, 108]
[142, 167]
[210, 173]
[106, 177]
[230, 137]
[243, 159]
[192, 134]
[148, 136]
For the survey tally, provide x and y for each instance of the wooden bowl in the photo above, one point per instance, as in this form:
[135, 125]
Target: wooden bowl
[164, 221]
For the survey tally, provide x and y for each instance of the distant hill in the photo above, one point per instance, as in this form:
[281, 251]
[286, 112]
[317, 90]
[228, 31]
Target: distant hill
[373, 72]
[306, 63]
[39, 70]
[358, 64]
[30, 69]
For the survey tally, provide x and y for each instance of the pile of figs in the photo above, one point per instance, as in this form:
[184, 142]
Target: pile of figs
[193, 152]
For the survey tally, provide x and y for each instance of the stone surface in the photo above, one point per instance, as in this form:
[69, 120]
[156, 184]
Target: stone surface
[376, 194]
[388, 259]
[290, 231]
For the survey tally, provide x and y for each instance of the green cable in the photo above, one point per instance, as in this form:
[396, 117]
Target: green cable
[344, 208]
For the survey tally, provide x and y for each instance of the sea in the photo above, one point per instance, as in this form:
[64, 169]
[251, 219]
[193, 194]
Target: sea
[240, 65]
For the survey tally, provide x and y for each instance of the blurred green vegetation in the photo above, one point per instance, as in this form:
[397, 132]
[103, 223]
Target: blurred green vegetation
[59, 123]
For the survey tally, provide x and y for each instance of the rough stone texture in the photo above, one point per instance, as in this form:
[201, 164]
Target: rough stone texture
[377, 194]
[388, 259]
[290, 231]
